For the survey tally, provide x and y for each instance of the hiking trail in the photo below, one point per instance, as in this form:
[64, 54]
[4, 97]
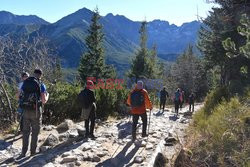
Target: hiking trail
[111, 148]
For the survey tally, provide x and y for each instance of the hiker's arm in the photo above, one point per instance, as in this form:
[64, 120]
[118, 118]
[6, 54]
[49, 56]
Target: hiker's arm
[45, 97]
[44, 94]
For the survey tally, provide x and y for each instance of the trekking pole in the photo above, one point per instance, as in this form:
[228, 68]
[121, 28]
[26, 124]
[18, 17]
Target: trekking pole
[149, 120]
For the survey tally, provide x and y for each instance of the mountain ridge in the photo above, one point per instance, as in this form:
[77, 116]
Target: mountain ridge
[121, 37]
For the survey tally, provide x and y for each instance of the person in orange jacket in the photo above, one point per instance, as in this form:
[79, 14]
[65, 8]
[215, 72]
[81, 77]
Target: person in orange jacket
[139, 100]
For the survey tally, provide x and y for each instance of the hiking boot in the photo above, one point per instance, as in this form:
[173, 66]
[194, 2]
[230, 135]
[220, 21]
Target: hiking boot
[20, 156]
[32, 154]
[92, 136]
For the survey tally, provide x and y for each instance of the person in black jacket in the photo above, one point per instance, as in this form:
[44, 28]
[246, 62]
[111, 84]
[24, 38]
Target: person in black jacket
[191, 102]
[163, 98]
[87, 101]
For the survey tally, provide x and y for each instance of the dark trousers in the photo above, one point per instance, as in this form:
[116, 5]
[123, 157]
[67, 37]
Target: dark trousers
[31, 123]
[135, 122]
[191, 105]
[162, 103]
[177, 104]
[91, 119]
[181, 104]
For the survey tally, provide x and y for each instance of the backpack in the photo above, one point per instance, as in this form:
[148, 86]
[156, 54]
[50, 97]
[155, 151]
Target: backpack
[137, 99]
[163, 94]
[177, 96]
[31, 94]
[83, 99]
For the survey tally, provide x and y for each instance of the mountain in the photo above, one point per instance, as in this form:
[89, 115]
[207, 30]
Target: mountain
[121, 36]
[9, 18]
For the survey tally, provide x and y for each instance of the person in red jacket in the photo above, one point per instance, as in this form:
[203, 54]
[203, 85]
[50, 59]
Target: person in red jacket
[139, 100]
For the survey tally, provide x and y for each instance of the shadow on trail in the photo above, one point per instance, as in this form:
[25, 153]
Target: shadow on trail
[124, 129]
[52, 153]
[173, 118]
[121, 159]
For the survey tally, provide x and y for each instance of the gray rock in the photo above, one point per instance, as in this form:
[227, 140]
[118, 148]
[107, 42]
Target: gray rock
[64, 126]
[149, 146]
[66, 154]
[48, 128]
[4, 165]
[63, 137]
[138, 159]
[78, 163]
[101, 154]
[70, 165]
[51, 140]
[80, 131]
[44, 148]
[96, 159]
[73, 133]
[86, 147]
[68, 159]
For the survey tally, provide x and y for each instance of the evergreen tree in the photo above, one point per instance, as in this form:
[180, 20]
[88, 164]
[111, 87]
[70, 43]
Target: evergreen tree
[92, 63]
[218, 26]
[189, 74]
[143, 65]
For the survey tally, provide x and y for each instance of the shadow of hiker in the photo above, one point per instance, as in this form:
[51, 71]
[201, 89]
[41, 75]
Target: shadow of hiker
[4, 144]
[159, 113]
[52, 153]
[173, 118]
[121, 159]
[124, 129]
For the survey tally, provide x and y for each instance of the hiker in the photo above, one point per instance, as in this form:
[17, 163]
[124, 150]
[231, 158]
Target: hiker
[86, 99]
[191, 102]
[34, 96]
[177, 95]
[163, 98]
[24, 76]
[139, 100]
[182, 98]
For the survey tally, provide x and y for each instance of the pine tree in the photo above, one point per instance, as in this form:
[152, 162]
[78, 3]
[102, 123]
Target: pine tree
[92, 63]
[144, 62]
[219, 26]
[189, 74]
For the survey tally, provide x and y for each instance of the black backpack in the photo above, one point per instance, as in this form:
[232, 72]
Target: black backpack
[30, 98]
[83, 99]
[137, 99]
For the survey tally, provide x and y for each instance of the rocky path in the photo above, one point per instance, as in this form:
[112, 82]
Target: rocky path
[64, 146]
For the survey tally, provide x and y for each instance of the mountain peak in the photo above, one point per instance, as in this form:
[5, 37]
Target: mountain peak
[10, 18]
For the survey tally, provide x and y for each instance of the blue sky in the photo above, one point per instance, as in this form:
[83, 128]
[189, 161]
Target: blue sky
[174, 11]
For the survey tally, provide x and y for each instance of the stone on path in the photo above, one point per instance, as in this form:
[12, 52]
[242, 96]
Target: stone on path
[64, 126]
[138, 159]
[51, 140]
[69, 159]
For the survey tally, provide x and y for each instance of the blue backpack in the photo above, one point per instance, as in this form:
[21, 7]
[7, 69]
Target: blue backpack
[137, 99]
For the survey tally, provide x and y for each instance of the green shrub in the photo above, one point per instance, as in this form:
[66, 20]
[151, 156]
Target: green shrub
[214, 98]
[62, 102]
[223, 136]
[110, 101]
